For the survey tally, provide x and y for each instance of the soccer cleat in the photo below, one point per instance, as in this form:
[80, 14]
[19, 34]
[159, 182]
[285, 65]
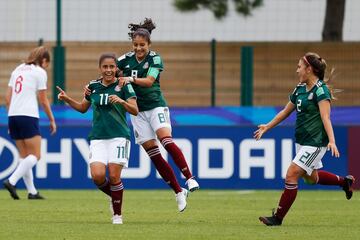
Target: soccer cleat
[271, 221]
[348, 182]
[117, 219]
[11, 189]
[36, 196]
[181, 199]
[192, 184]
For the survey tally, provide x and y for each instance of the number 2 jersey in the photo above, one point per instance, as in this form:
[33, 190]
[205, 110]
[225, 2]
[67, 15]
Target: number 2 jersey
[25, 81]
[109, 120]
[309, 129]
[147, 97]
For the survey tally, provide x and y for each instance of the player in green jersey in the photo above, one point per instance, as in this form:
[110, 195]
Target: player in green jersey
[110, 134]
[313, 135]
[142, 68]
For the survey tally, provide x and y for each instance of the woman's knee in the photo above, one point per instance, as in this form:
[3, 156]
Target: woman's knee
[293, 174]
[98, 176]
[114, 173]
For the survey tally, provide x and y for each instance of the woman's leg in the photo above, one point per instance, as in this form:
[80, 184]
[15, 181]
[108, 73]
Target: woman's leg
[28, 176]
[116, 187]
[164, 134]
[288, 196]
[161, 165]
[166, 173]
[291, 187]
[98, 174]
[32, 146]
[327, 178]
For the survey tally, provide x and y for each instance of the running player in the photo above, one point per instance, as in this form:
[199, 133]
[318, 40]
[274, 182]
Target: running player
[313, 134]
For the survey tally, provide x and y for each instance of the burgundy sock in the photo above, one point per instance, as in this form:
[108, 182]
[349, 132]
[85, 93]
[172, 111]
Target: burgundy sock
[117, 197]
[177, 155]
[164, 168]
[105, 187]
[328, 178]
[286, 200]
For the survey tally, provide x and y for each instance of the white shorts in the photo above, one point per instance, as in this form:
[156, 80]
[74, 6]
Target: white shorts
[146, 123]
[308, 157]
[114, 150]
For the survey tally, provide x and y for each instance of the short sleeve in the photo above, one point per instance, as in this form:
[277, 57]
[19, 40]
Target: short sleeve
[121, 62]
[87, 97]
[11, 81]
[323, 93]
[157, 62]
[42, 79]
[292, 96]
[129, 92]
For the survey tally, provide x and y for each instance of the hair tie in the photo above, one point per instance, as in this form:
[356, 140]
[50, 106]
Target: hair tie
[306, 61]
[142, 30]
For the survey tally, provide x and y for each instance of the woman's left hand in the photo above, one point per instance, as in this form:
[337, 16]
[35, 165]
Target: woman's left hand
[334, 150]
[115, 99]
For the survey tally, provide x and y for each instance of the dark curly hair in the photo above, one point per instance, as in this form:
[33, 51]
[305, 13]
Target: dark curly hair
[142, 29]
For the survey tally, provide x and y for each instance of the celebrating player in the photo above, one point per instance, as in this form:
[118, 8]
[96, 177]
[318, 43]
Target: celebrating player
[313, 134]
[142, 68]
[110, 134]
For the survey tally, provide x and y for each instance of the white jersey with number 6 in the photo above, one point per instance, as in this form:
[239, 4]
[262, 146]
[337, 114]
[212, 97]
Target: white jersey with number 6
[25, 81]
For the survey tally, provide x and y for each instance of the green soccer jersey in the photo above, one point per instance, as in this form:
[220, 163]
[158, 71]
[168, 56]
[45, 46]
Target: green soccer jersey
[147, 97]
[109, 120]
[310, 130]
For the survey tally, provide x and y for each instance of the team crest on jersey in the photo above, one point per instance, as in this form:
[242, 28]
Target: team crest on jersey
[117, 88]
[311, 96]
[136, 134]
[146, 65]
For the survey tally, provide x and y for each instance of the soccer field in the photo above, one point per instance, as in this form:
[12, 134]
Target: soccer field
[152, 214]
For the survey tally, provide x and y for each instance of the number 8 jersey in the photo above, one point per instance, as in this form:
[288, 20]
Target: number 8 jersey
[25, 81]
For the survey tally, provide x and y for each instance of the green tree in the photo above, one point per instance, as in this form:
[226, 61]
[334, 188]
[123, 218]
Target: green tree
[334, 15]
[218, 7]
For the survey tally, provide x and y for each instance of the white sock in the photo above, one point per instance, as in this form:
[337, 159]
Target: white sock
[29, 182]
[24, 166]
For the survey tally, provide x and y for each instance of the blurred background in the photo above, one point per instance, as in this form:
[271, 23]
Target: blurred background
[229, 65]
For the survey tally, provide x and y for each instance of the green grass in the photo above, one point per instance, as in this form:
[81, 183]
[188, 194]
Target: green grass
[84, 214]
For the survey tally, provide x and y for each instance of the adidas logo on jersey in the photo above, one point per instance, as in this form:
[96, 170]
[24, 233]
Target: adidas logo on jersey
[93, 91]
[127, 66]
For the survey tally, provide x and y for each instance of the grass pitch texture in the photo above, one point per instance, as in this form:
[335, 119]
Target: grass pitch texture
[152, 214]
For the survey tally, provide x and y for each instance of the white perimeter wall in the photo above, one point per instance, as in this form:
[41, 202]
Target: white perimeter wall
[107, 20]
